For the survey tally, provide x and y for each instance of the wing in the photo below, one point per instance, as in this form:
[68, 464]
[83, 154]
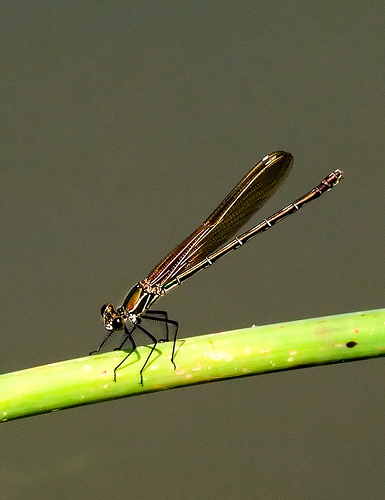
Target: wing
[245, 199]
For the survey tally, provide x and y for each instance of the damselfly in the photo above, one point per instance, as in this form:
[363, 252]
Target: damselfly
[203, 247]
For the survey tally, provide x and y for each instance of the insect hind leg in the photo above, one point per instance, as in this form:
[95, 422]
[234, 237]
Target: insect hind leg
[161, 317]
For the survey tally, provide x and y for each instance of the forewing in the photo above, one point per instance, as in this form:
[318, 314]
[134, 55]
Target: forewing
[240, 204]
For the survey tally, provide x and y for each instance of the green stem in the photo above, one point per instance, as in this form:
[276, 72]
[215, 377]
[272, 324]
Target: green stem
[206, 358]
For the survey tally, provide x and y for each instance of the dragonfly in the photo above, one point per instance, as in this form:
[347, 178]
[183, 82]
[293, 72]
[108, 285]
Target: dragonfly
[202, 248]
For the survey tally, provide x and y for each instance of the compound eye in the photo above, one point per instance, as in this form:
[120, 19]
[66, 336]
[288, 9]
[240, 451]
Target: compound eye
[117, 324]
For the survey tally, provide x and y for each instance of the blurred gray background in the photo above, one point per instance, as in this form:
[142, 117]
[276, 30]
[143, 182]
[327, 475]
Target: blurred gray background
[123, 125]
